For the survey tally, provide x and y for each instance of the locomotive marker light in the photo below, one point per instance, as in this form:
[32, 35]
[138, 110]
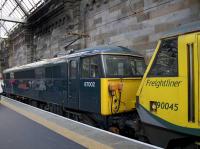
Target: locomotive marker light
[153, 106]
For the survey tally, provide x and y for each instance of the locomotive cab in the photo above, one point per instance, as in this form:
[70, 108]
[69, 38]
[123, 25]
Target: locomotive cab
[109, 81]
[168, 99]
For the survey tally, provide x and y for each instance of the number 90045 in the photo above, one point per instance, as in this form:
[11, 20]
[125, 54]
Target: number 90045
[167, 106]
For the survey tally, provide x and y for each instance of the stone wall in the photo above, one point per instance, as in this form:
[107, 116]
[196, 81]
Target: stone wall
[4, 53]
[46, 32]
[19, 47]
[51, 35]
[136, 24]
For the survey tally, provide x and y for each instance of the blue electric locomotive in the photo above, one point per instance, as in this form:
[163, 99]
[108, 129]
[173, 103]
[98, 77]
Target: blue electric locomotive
[96, 85]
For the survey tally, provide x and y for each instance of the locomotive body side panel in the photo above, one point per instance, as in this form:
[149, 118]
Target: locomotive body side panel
[90, 94]
[164, 97]
[47, 84]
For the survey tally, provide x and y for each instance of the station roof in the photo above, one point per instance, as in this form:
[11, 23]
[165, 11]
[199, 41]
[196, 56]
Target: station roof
[13, 12]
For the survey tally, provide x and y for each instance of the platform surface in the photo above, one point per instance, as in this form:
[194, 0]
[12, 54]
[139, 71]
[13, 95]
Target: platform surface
[25, 127]
[19, 132]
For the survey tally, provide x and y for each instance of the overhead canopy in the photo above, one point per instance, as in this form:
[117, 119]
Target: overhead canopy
[13, 12]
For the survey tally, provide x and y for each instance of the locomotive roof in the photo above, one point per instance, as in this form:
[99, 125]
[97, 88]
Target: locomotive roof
[184, 29]
[85, 52]
[108, 49]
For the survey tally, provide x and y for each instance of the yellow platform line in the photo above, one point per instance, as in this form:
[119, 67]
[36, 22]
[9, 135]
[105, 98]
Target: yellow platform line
[82, 140]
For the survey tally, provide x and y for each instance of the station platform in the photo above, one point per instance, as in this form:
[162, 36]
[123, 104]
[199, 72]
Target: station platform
[26, 127]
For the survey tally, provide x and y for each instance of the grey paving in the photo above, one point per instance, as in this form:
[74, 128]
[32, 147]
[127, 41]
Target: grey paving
[97, 136]
[19, 132]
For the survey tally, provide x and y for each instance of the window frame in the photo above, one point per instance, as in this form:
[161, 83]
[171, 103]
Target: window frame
[81, 67]
[18, 76]
[98, 63]
[52, 69]
[119, 76]
[156, 57]
[135, 63]
[70, 70]
[7, 76]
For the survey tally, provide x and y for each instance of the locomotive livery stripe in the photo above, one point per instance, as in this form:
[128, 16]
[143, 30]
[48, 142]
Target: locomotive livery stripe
[145, 114]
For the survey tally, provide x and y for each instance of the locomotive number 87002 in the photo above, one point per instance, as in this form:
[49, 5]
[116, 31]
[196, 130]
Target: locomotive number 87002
[96, 86]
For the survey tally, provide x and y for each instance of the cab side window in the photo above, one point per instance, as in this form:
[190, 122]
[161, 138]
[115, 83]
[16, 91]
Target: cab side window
[7, 75]
[138, 66]
[166, 61]
[94, 67]
[89, 67]
[85, 67]
[73, 69]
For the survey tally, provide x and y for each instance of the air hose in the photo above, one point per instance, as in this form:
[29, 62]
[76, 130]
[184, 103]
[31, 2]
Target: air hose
[114, 100]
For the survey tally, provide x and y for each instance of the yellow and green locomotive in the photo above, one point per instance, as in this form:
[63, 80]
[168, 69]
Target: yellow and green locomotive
[168, 99]
[97, 85]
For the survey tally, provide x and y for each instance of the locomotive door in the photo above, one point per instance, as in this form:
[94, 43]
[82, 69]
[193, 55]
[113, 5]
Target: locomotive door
[198, 51]
[193, 78]
[73, 82]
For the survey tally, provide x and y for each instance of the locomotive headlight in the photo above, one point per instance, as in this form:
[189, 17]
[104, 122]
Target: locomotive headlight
[153, 106]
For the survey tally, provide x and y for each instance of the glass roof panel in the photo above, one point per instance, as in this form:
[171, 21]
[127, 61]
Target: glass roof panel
[26, 4]
[8, 25]
[2, 32]
[9, 5]
[11, 8]
[19, 11]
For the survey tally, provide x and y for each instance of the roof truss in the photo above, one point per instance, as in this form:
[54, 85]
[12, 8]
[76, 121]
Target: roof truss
[13, 12]
[11, 19]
